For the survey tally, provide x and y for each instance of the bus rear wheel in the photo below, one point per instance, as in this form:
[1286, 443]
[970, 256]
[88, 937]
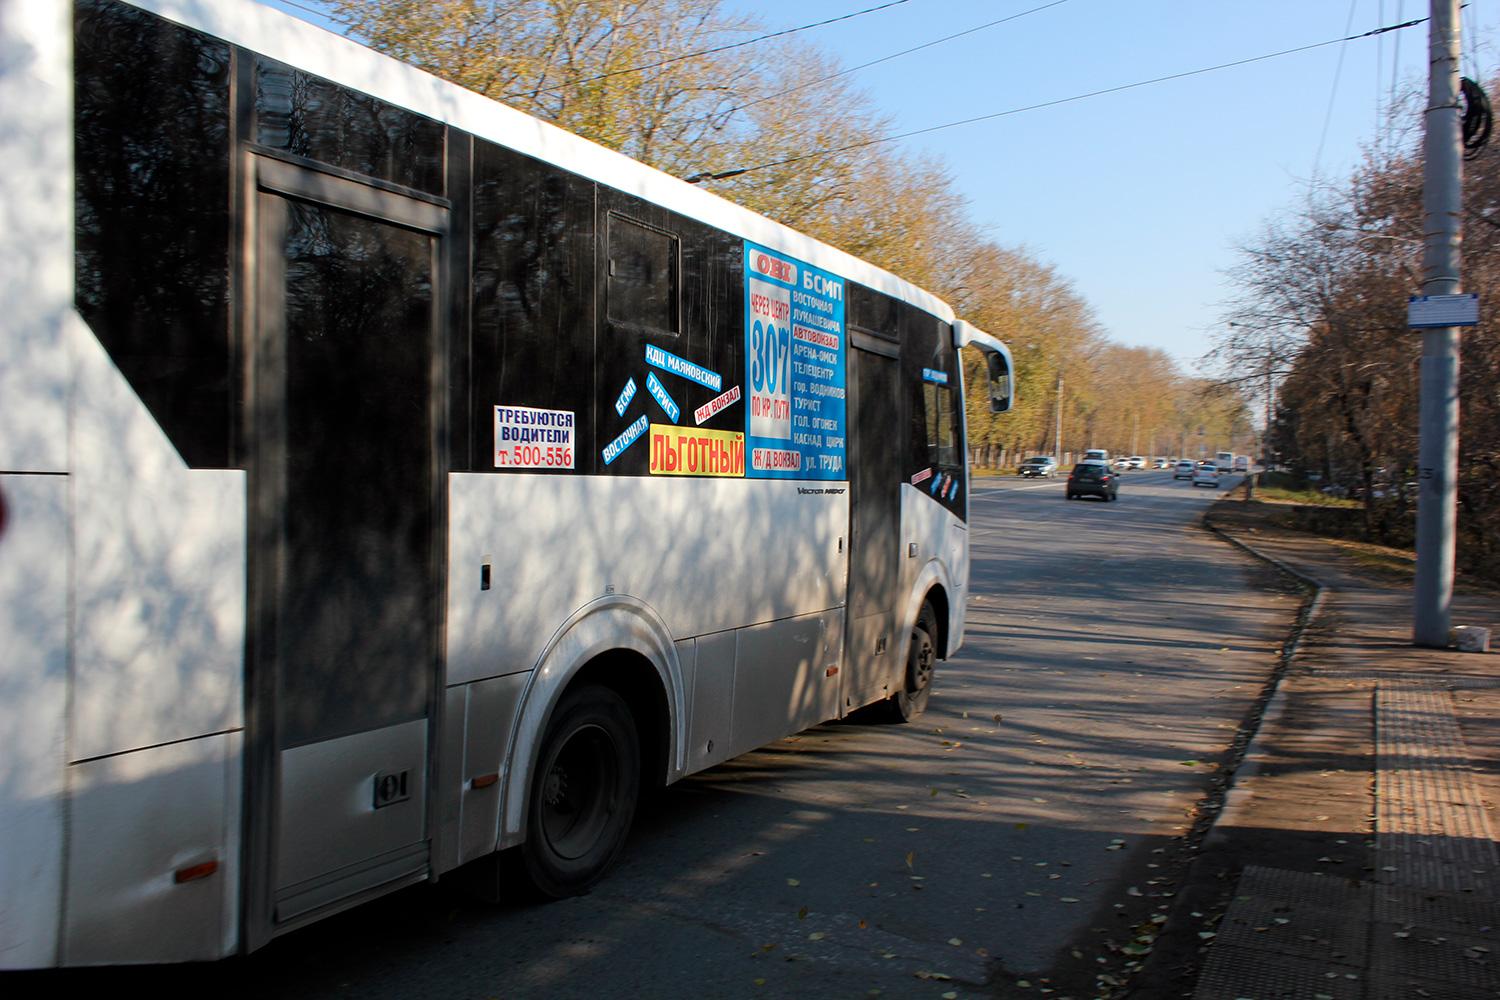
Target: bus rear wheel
[583, 795]
[921, 662]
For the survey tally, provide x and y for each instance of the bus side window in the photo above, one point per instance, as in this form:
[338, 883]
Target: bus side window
[643, 291]
[942, 441]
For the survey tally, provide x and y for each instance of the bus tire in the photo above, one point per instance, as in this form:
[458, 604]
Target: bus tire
[583, 795]
[921, 662]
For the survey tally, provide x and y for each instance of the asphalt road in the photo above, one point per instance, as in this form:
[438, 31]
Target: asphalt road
[1017, 830]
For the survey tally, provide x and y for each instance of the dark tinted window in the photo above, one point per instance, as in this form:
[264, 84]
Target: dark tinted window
[642, 270]
[151, 135]
[533, 333]
[873, 312]
[1088, 471]
[942, 447]
[308, 116]
[356, 521]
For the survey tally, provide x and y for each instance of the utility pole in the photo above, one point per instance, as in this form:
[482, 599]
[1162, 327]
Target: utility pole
[1058, 437]
[1442, 201]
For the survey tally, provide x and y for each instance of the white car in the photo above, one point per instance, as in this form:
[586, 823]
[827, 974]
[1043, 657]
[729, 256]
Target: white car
[1183, 470]
[1206, 475]
[1136, 462]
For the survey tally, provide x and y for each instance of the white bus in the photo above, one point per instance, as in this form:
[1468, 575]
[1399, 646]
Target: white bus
[390, 480]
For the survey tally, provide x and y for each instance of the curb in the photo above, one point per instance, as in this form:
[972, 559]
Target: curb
[1236, 797]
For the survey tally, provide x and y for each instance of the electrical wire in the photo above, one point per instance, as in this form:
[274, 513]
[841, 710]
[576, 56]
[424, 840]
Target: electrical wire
[703, 52]
[873, 62]
[313, 11]
[1328, 116]
[723, 175]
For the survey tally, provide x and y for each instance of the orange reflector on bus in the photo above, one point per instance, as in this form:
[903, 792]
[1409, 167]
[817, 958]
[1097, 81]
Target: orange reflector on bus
[484, 780]
[194, 872]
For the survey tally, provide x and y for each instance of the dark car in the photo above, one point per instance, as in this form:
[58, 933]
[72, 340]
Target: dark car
[1093, 479]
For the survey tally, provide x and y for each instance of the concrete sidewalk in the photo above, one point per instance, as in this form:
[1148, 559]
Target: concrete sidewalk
[1361, 826]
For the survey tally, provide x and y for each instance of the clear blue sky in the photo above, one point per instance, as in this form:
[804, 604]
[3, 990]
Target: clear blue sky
[1140, 197]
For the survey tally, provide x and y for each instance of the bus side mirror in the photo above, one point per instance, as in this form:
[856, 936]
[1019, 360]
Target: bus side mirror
[999, 382]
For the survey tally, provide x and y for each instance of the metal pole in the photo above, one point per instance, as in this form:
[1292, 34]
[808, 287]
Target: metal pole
[1059, 417]
[1442, 202]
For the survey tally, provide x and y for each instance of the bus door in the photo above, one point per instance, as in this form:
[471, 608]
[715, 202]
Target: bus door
[342, 427]
[875, 651]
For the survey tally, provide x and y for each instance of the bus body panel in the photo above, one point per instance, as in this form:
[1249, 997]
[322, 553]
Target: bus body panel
[159, 628]
[712, 555]
[712, 700]
[488, 711]
[36, 233]
[351, 833]
[941, 558]
[33, 737]
[785, 678]
[136, 821]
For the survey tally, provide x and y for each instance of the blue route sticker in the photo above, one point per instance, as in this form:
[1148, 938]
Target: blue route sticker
[796, 359]
[935, 376]
[615, 448]
[663, 398]
[626, 395]
[669, 362]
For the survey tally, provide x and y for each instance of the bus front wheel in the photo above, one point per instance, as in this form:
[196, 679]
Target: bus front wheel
[583, 794]
[921, 662]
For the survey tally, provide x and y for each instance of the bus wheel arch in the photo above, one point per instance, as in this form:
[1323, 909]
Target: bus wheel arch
[611, 676]
[937, 596]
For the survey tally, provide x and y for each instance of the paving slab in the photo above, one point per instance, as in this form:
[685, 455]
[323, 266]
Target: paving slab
[1378, 720]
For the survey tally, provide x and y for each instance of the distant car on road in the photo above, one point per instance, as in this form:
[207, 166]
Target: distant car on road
[1093, 479]
[1160, 463]
[1044, 466]
[1136, 462]
[1183, 470]
[1096, 455]
[1122, 463]
[1242, 463]
[1206, 474]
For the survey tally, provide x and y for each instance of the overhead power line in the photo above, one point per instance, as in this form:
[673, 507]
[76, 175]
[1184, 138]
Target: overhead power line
[577, 81]
[829, 151]
[866, 65]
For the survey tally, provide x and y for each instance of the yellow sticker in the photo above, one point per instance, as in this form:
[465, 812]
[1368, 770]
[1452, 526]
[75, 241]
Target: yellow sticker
[694, 451]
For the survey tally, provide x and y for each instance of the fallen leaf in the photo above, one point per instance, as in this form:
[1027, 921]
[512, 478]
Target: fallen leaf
[815, 936]
[802, 913]
[792, 881]
[910, 857]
